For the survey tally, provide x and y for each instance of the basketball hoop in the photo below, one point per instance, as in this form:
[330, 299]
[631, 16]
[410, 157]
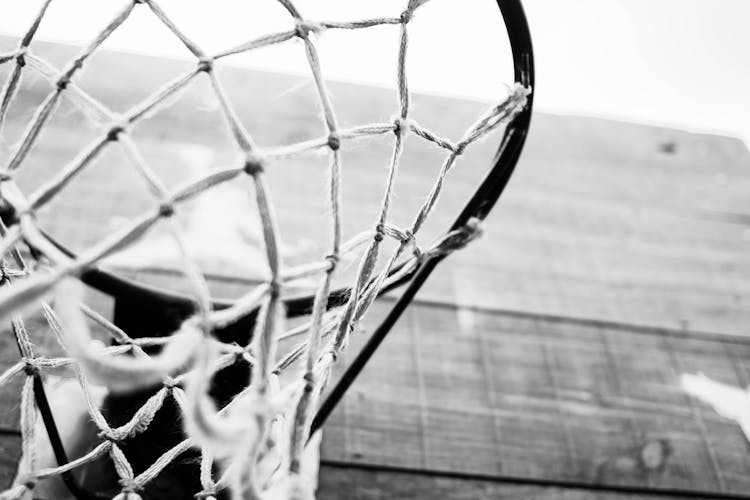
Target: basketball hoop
[169, 346]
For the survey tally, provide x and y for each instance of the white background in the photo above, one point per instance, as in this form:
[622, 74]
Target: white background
[680, 63]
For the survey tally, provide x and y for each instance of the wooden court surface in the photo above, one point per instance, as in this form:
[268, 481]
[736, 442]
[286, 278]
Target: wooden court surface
[551, 349]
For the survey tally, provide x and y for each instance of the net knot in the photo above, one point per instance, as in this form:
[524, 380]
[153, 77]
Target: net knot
[254, 164]
[169, 383]
[166, 209]
[206, 64]
[74, 66]
[334, 141]
[137, 2]
[459, 148]
[110, 435]
[379, 232]
[304, 28]
[309, 379]
[21, 57]
[274, 288]
[402, 125]
[333, 260]
[406, 16]
[406, 237]
[30, 368]
[114, 131]
[63, 82]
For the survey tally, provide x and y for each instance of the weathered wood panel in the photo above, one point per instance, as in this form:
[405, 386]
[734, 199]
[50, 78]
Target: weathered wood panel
[349, 483]
[488, 393]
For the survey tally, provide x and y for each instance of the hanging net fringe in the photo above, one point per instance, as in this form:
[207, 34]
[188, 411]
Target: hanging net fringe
[259, 438]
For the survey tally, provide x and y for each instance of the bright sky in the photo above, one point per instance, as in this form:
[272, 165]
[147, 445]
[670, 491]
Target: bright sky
[679, 63]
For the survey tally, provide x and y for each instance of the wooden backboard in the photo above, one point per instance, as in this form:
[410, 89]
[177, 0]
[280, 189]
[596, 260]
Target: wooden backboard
[548, 352]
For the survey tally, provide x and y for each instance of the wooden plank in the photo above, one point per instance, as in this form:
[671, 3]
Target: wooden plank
[341, 482]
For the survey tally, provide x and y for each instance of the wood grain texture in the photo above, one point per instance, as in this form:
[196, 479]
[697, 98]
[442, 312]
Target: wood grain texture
[497, 394]
[354, 484]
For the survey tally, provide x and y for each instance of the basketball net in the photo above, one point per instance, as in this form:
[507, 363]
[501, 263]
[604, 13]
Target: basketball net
[257, 442]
